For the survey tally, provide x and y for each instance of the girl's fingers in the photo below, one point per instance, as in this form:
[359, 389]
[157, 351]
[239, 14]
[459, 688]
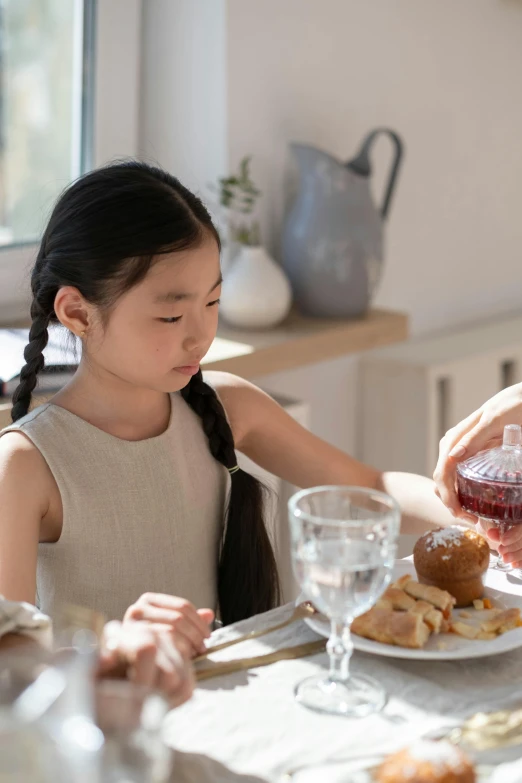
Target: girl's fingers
[111, 661]
[176, 622]
[143, 668]
[177, 691]
[128, 649]
[207, 615]
[175, 676]
[151, 655]
[180, 622]
[174, 604]
[183, 645]
[192, 635]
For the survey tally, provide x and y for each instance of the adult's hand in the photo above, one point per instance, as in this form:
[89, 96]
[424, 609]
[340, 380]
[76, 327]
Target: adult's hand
[483, 429]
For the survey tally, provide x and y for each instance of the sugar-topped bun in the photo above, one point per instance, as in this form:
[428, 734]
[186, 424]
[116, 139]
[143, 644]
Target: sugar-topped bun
[427, 762]
[453, 559]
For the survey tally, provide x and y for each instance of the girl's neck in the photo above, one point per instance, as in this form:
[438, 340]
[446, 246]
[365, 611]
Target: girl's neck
[115, 406]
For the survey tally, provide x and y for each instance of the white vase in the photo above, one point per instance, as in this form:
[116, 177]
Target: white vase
[255, 292]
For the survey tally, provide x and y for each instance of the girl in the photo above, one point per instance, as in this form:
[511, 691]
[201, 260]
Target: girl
[119, 485]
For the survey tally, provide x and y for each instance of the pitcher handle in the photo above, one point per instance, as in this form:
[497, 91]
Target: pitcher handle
[361, 164]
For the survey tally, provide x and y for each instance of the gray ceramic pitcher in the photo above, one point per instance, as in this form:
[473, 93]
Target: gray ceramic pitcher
[332, 248]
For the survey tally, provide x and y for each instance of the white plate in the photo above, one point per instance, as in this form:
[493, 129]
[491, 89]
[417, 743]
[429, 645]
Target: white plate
[497, 589]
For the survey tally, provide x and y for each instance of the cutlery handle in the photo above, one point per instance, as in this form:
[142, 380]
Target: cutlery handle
[245, 638]
[287, 653]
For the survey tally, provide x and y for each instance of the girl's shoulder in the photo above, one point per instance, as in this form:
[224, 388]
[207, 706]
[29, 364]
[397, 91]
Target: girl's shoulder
[21, 461]
[20, 458]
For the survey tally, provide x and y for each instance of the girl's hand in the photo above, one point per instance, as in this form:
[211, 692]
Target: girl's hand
[482, 430]
[188, 626]
[145, 653]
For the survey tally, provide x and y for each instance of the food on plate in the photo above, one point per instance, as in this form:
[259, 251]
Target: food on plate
[465, 629]
[401, 619]
[404, 629]
[427, 762]
[497, 623]
[436, 621]
[440, 599]
[408, 613]
[483, 636]
[502, 621]
[395, 598]
[454, 559]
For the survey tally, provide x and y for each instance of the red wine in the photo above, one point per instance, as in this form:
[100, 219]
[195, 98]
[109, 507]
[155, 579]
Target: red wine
[495, 500]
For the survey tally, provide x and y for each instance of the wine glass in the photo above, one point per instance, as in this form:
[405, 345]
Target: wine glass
[46, 728]
[343, 551]
[131, 719]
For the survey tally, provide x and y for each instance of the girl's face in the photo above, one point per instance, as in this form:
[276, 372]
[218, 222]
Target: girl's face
[159, 331]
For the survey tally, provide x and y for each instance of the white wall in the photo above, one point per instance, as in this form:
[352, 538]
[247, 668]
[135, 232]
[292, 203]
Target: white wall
[183, 117]
[222, 78]
[446, 74]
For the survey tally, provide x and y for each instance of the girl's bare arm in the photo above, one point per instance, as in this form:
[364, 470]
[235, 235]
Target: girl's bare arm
[267, 434]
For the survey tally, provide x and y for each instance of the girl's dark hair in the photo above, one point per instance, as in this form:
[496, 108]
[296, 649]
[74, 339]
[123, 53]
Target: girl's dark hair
[102, 238]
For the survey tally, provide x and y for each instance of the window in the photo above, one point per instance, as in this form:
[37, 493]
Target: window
[46, 97]
[85, 112]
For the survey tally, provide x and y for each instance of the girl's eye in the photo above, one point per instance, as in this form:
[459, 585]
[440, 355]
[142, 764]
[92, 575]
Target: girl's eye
[178, 318]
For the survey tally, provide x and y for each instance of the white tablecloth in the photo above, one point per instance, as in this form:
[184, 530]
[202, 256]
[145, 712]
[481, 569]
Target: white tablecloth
[247, 727]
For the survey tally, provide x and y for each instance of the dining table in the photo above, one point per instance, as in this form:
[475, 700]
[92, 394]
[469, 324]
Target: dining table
[247, 727]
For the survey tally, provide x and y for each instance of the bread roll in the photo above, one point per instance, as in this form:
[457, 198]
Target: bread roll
[427, 762]
[453, 559]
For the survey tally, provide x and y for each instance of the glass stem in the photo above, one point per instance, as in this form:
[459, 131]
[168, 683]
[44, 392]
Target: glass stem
[340, 648]
[500, 565]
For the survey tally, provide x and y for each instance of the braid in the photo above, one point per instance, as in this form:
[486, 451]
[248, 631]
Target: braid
[247, 580]
[204, 401]
[33, 355]
[42, 309]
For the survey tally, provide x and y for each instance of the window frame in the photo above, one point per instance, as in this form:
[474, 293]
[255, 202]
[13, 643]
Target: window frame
[113, 71]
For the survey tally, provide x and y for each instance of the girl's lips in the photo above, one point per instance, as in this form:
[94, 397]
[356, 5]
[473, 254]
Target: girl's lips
[188, 369]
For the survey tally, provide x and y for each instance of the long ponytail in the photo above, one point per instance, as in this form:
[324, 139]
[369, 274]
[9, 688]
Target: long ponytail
[248, 582]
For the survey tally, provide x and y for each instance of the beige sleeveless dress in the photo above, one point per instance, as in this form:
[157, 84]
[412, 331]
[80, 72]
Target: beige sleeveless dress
[138, 516]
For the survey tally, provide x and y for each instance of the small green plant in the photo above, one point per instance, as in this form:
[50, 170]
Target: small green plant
[238, 196]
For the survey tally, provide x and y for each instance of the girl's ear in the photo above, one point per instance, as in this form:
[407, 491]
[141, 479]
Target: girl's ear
[72, 310]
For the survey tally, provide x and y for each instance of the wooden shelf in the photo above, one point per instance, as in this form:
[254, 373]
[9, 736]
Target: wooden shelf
[296, 343]
[300, 341]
